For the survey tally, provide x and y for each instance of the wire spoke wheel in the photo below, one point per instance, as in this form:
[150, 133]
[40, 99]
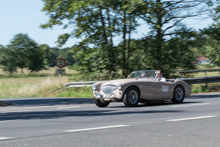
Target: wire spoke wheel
[131, 97]
[179, 94]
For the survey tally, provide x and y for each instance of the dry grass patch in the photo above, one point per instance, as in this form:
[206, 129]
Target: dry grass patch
[28, 87]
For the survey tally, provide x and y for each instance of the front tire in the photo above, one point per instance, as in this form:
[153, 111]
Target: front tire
[100, 103]
[178, 94]
[131, 97]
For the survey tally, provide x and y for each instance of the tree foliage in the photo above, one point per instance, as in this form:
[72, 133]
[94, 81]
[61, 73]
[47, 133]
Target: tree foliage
[169, 44]
[23, 52]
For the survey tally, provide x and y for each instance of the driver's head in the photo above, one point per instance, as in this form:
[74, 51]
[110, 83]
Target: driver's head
[159, 73]
[143, 74]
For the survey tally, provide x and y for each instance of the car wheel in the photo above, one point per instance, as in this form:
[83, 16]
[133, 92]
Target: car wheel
[131, 97]
[178, 94]
[101, 103]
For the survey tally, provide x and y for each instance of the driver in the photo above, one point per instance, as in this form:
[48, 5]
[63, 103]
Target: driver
[160, 76]
[143, 75]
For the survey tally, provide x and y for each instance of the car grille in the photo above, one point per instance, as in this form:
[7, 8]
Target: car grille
[108, 88]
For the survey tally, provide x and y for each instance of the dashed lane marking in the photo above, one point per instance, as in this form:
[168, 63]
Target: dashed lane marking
[98, 128]
[119, 111]
[191, 118]
[190, 105]
[68, 107]
[5, 138]
[25, 109]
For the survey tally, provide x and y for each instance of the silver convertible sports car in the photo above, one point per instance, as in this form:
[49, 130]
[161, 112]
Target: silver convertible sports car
[140, 86]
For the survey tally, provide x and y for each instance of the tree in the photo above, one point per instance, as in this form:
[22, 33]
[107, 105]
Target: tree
[8, 59]
[25, 49]
[211, 37]
[48, 55]
[163, 17]
[35, 60]
[22, 52]
[97, 22]
[211, 45]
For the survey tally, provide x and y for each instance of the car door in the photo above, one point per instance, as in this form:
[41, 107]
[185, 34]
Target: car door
[148, 88]
[162, 90]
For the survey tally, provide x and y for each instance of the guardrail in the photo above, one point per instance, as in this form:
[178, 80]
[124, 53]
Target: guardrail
[80, 84]
[192, 71]
[201, 79]
[188, 80]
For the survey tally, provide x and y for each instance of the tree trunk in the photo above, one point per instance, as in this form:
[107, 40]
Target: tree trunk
[159, 37]
[105, 38]
[129, 46]
[111, 43]
[124, 44]
[103, 25]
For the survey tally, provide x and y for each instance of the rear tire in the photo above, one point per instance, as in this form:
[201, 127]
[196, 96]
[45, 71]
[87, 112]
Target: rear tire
[131, 97]
[178, 94]
[100, 103]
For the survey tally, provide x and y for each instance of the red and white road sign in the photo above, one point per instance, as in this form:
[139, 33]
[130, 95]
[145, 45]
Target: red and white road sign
[60, 63]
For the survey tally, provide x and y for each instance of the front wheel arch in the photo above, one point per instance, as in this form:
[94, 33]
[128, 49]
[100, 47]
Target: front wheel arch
[130, 87]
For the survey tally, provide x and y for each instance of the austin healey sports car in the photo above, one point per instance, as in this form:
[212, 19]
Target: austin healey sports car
[140, 86]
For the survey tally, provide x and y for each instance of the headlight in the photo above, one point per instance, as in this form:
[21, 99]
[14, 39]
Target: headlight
[119, 86]
[98, 95]
[94, 86]
[112, 94]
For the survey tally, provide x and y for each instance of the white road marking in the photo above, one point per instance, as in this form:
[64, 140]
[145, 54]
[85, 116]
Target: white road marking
[189, 105]
[24, 109]
[192, 118]
[118, 111]
[68, 107]
[5, 138]
[98, 128]
[5, 121]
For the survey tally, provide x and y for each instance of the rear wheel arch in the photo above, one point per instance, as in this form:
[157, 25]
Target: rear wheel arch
[180, 86]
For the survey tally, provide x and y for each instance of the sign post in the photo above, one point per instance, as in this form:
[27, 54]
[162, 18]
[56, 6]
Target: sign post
[60, 63]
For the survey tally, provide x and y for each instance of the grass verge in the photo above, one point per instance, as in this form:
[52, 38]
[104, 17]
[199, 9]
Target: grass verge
[40, 87]
[201, 88]
[28, 87]
[85, 92]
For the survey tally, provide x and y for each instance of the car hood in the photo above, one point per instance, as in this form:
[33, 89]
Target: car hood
[122, 81]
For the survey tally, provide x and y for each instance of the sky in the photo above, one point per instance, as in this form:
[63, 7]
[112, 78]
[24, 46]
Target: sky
[25, 16]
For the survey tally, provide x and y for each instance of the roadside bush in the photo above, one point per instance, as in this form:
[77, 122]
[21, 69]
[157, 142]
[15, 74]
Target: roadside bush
[209, 65]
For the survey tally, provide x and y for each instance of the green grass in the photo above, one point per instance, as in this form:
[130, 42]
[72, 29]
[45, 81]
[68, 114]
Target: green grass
[201, 88]
[84, 92]
[41, 85]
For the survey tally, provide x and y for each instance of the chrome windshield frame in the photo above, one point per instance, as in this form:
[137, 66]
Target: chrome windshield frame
[138, 72]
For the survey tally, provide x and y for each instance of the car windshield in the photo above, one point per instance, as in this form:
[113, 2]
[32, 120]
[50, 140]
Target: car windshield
[143, 74]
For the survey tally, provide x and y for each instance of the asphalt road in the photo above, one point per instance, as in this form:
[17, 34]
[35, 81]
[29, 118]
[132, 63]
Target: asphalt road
[72, 122]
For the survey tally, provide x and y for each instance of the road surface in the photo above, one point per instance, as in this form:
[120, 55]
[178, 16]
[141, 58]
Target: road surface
[73, 122]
